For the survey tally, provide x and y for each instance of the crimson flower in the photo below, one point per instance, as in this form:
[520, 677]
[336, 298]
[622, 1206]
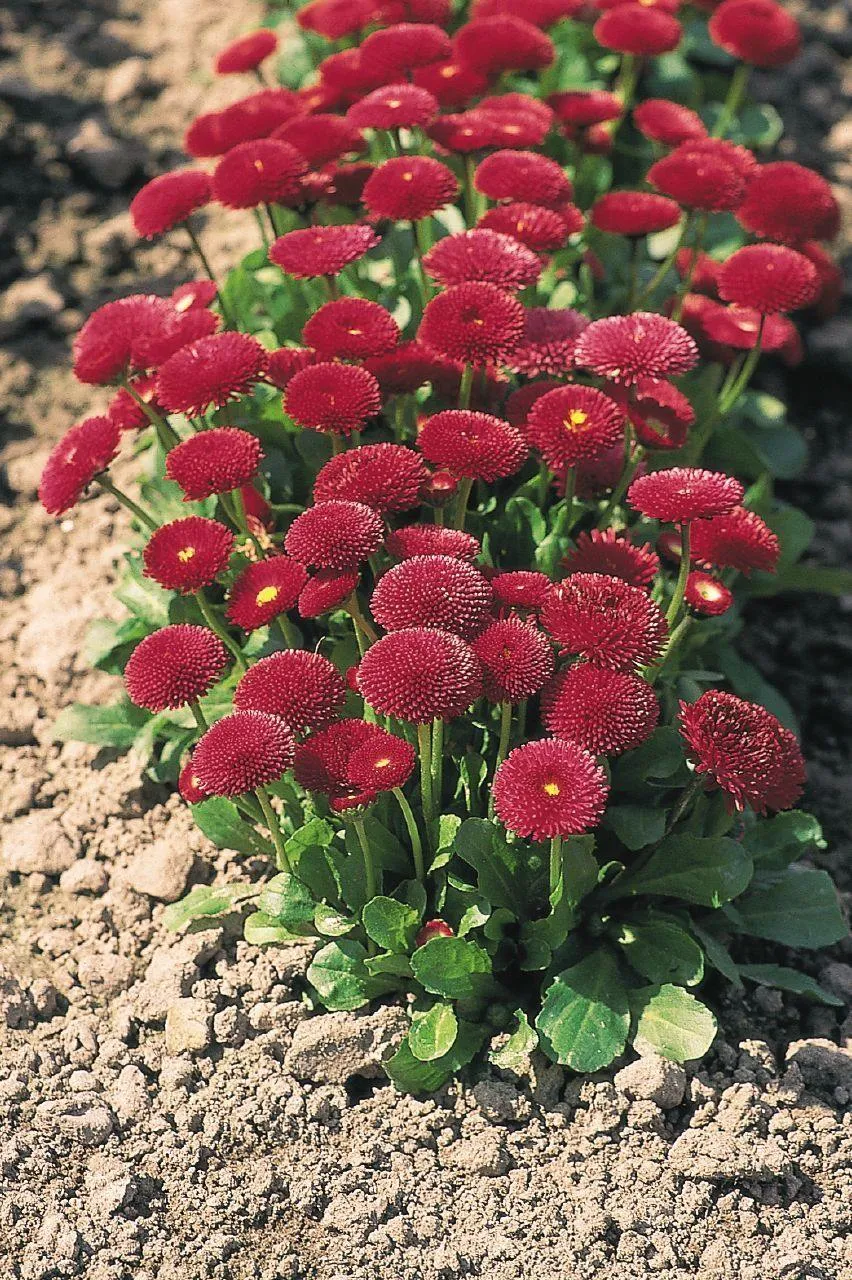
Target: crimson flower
[522, 175]
[216, 132]
[431, 540]
[549, 789]
[188, 786]
[739, 539]
[476, 323]
[213, 461]
[668, 122]
[471, 444]
[186, 555]
[637, 29]
[321, 251]
[789, 203]
[605, 711]
[394, 106]
[174, 666]
[516, 659]
[606, 621]
[698, 179]
[304, 689]
[521, 589]
[338, 398]
[335, 535]
[769, 278]
[420, 674]
[756, 31]
[246, 52]
[168, 200]
[433, 591]
[351, 329]
[612, 553]
[397, 50]
[485, 256]
[548, 342]
[261, 171]
[283, 365]
[324, 761]
[320, 138]
[541, 230]
[408, 188]
[85, 450]
[682, 494]
[386, 477]
[264, 590]
[584, 107]
[327, 590]
[503, 43]
[642, 345]
[574, 422]
[451, 82]
[242, 752]
[382, 763]
[706, 594]
[208, 373]
[634, 213]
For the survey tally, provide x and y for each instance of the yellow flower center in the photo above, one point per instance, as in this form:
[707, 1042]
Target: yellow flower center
[393, 103]
[186, 553]
[266, 595]
[258, 164]
[576, 418]
[383, 763]
[551, 788]
[408, 176]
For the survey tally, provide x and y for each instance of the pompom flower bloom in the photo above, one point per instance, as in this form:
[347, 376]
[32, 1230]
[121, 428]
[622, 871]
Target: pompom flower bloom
[382, 762]
[474, 445]
[242, 752]
[503, 43]
[208, 373]
[541, 230]
[739, 539]
[335, 535]
[707, 595]
[475, 323]
[304, 689]
[548, 342]
[174, 666]
[169, 200]
[409, 188]
[612, 553]
[431, 540]
[261, 171]
[606, 621]
[387, 477]
[756, 31]
[324, 761]
[351, 329]
[286, 362]
[398, 49]
[572, 423]
[698, 179]
[320, 138]
[213, 461]
[338, 398]
[186, 555]
[550, 789]
[744, 749]
[789, 203]
[322, 251]
[420, 674]
[683, 494]
[769, 278]
[516, 660]
[264, 590]
[84, 451]
[485, 256]
[668, 122]
[521, 589]
[327, 590]
[581, 108]
[634, 213]
[433, 591]
[246, 53]
[642, 345]
[637, 29]
[605, 711]
[394, 106]
[522, 175]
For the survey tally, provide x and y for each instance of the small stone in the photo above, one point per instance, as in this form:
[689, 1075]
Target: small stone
[335, 1046]
[189, 1026]
[16, 1006]
[162, 870]
[44, 997]
[483, 1153]
[230, 1026]
[653, 1079]
[104, 974]
[715, 1156]
[37, 843]
[838, 978]
[83, 1120]
[128, 1097]
[85, 876]
[108, 161]
[822, 1064]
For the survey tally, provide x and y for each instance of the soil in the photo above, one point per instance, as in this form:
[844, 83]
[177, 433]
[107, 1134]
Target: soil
[167, 1106]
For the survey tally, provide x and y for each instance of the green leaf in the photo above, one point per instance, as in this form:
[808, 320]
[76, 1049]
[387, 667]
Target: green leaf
[330, 923]
[672, 1023]
[636, 825]
[826, 579]
[390, 923]
[393, 965]
[484, 847]
[515, 1053]
[262, 930]
[410, 1075]
[585, 1018]
[221, 822]
[115, 726]
[341, 978]
[662, 952]
[785, 979]
[205, 901]
[580, 868]
[776, 842]
[660, 757]
[798, 907]
[451, 967]
[143, 597]
[705, 871]
[288, 901]
[718, 955]
[433, 1032]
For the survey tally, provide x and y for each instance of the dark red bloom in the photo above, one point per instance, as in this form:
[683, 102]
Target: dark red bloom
[706, 594]
[187, 554]
[431, 540]
[756, 31]
[522, 175]
[168, 330]
[475, 323]
[634, 213]
[744, 749]
[321, 138]
[394, 106]
[104, 347]
[605, 711]
[395, 51]
[327, 590]
[440, 488]
[612, 553]
[386, 477]
[332, 397]
[451, 82]
[264, 590]
[516, 660]
[208, 373]
[433, 929]
[410, 366]
[485, 256]
[550, 337]
[769, 278]
[409, 188]
[283, 365]
[582, 108]
[194, 293]
[346, 183]
[324, 760]
[550, 789]
[704, 271]
[304, 689]
[668, 122]
[660, 414]
[831, 278]
[420, 674]
[433, 591]
[246, 52]
[789, 203]
[242, 752]
[262, 171]
[335, 535]
[521, 589]
[174, 666]
[606, 621]
[542, 230]
[698, 179]
[594, 476]
[336, 19]
[351, 329]
[322, 251]
[739, 539]
[472, 444]
[188, 786]
[382, 763]
[85, 450]
[125, 410]
[642, 345]
[466, 132]
[683, 494]
[520, 402]
[542, 13]
[168, 200]
[503, 43]
[573, 422]
[216, 132]
[638, 29]
[213, 461]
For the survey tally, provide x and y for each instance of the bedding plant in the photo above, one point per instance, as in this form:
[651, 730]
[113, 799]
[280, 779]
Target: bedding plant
[451, 494]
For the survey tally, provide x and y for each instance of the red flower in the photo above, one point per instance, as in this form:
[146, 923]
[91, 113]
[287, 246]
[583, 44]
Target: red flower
[336, 19]
[411, 366]
[264, 590]
[433, 591]
[769, 278]
[382, 763]
[503, 43]
[420, 674]
[433, 929]
[126, 412]
[327, 590]
[705, 271]
[188, 785]
[476, 323]
[739, 539]
[634, 213]
[168, 200]
[103, 349]
[332, 397]
[85, 450]
[522, 175]
[756, 31]
[743, 749]
[262, 171]
[789, 203]
[541, 230]
[548, 342]
[482, 256]
[408, 188]
[214, 461]
[469, 131]
[660, 414]
[516, 660]
[253, 117]
[519, 404]
[186, 555]
[574, 422]
[210, 372]
[452, 83]
[606, 712]
[521, 589]
[283, 365]
[242, 752]
[637, 29]
[471, 444]
[550, 789]
[335, 535]
[246, 53]
[606, 621]
[351, 329]
[386, 477]
[440, 488]
[322, 251]
[397, 50]
[582, 108]
[194, 293]
[304, 689]
[683, 494]
[642, 345]
[706, 594]
[320, 138]
[166, 331]
[611, 553]
[542, 13]
[174, 666]
[668, 122]
[394, 106]
[431, 540]
[324, 761]
[698, 179]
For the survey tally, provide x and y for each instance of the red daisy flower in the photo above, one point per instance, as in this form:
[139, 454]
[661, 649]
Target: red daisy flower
[707, 595]
[476, 323]
[168, 200]
[433, 591]
[756, 31]
[606, 621]
[246, 52]
[103, 349]
[381, 763]
[169, 332]
[440, 488]
[335, 535]
[660, 414]
[283, 365]
[520, 402]
[304, 689]
[321, 138]
[397, 50]
[542, 13]
[258, 511]
[386, 477]
[409, 188]
[516, 660]
[264, 590]
[642, 345]
[471, 444]
[332, 397]
[548, 342]
[605, 711]
[634, 213]
[216, 132]
[431, 540]
[188, 786]
[612, 553]
[668, 122]
[739, 539]
[739, 327]
[125, 410]
[420, 674]
[452, 83]
[261, 171]
[327, 590]
[704, 277]
[186, 555]
[242, 752]
[194, 293]
[336, 19]
[635, 28]
[503, 43]
[743, 749]
[411, 366]
[522, 175]
[482, 256]
[541, 230]
[85, 450]
[574, 422]
[789, 203]
[683, 494]
[698, 179]
[582, 108]
[174, 666]
[466, 132]
[550, 789]
[394, 106]
[351, 329]
[208, 373]
[521, 589]
[345, 184]
[769, 278]
[213, 461]
[322, 251]
[323, 760]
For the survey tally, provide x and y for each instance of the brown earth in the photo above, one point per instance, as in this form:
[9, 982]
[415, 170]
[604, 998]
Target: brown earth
[167, 1108]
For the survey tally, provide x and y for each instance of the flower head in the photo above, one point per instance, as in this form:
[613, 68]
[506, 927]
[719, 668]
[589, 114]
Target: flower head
[213, 461]
[322, 251]
[634, 213]
[382, 763]
[698, 179]
[174, 666]
[304, 689]
[394, 106]
[420, 674]
[397, 50]
[168, 200]
[338, 398]
[769, 278]
[186, 555]
[85, 450]
[485, 256]
[605, 711]
[326, 591]
[541, 230]
[476, 445]
[474, 322]
[550, 789]
[324, 761]
[408, 188]
[386, 477]
[612, 553]
[188, 786]
[548, 343]
[522, 175]
[707, 595]
[756, 31]
[433, 591]
[431, 540]
[581, 108]
[283, 365]
[105, 349]
[246, 52]
[335, 535]
[503, 43]
[516, 659]
[261, 171]
[242, 752]
[351, 329]
[521, 589]
[411, 366]
[739, 539]
[668, 122]
[574, 422]
[215, 132]
[264, 590]
[320, 138]
[194, 293]
[606, 621]
[519, 404]
[126, 411]
[683, 494]
[660, 414]
[451, 82]
[642, 345]
[638, 29]
[210, 372]
[789, 203]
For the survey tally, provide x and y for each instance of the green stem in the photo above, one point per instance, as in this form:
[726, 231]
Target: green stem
[462, 499]
[729, 398]
[471, 201]
[675, 640]
[690, 792]
[198, 715]
[413, 834]
[438, 762]
[241, 521]
[369, 863]
[417, 270]
[674, 608]
[666, 265]
[288, 635]
[686, 283]
[167, 435]
[502, 745]
[632, 459]
[356, 613]
[120, 496]
[215, 625]
[427, 796]
[466, 386]
[281, 859]
[555, 863]
[733, 102]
